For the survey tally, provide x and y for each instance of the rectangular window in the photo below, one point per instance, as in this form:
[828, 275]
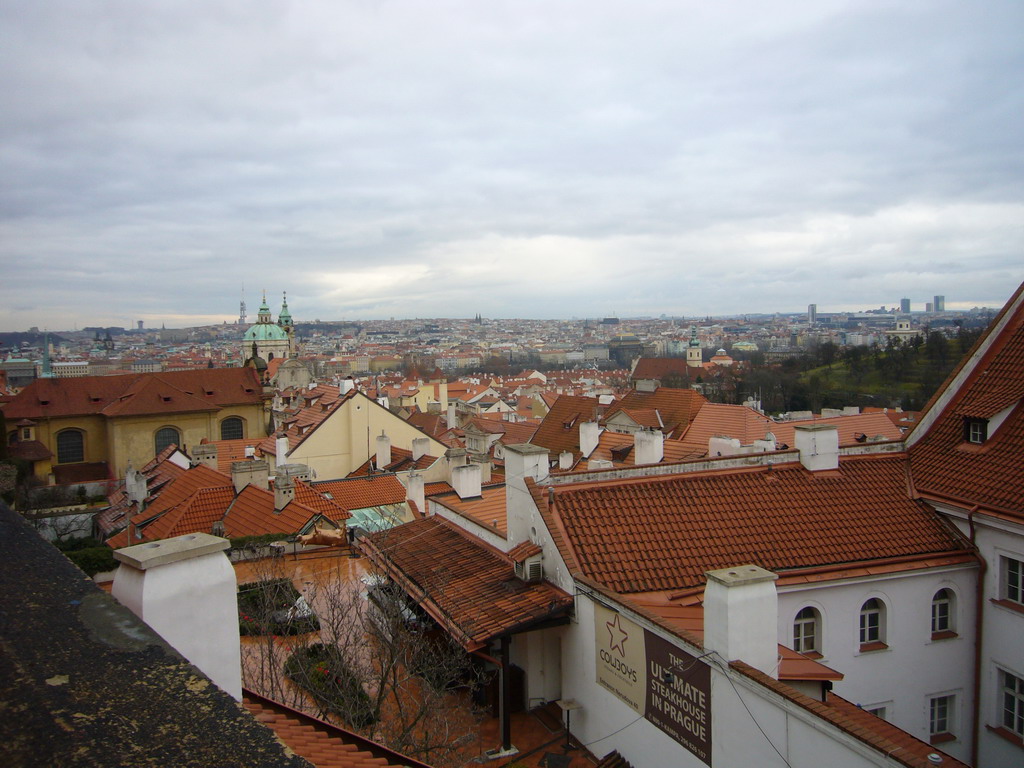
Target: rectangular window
[1011, 586]
[940, 717]
[940, 615]
[975, 430]
[1013, 703]
[879, 711]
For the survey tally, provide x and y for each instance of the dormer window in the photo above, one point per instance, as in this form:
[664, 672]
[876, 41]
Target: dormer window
[975, 430]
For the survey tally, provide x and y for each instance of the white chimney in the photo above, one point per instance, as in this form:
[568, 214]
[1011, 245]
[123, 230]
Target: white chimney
[565, 460]
[818, 445]
[741, 616]
[452, 423]
[159, 582]
[284, 491]
[590, 433]
[420, 446]
[135, 486]
[649, 446]
[720, 445]
[522, 460]
[346, 386]
[383, 451]
[282, 446]
[206, 454]
[414, 491]
[245, 472]
[466, 481]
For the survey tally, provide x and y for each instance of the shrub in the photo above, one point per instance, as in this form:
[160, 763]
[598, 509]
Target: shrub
[93, 560]
[263, 609]
[321, 670]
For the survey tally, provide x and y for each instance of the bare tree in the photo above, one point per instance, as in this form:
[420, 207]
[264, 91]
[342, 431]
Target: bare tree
[378, 665]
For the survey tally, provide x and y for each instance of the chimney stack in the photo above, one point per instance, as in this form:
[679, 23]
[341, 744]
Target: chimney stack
[565, 460]
[205, 454]
[284, 491]
[466, 481]
[135, 486]
[245, 472]
[383, 451]
[414, 491]
[420, 446]
[282, 446]
[741, 616]
[522, 460]
[648, 446]
[818, 445]
[159, 581]
[590, 433]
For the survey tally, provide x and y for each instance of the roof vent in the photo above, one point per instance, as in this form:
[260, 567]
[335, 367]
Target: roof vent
[531, 569]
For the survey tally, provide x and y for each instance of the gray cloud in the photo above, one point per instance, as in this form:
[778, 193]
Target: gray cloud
[516, 159]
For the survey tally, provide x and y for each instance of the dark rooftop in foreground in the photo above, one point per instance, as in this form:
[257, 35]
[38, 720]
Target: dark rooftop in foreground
[83, 682]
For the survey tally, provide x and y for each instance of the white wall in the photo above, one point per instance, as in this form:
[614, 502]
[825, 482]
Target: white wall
[913, 667]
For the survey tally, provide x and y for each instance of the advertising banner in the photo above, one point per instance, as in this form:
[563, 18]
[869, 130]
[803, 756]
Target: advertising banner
[658, 680]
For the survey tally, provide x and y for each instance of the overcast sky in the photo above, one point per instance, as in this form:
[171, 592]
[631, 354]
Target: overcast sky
[517, 159]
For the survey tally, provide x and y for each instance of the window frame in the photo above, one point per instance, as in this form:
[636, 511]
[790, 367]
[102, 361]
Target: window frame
[156, 438]
[942, 721]
[1011, 580]
[60, 450]
[975, 430]
[872, 636]
[233, 420]
[800, 637]
[943, 622]
[1014, 695]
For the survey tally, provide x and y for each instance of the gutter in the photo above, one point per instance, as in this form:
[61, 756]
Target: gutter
[979, 608]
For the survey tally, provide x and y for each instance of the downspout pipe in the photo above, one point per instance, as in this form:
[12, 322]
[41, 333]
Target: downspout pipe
[979, 608]
[504, 691]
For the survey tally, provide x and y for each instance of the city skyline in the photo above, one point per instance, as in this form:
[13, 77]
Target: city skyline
[511, 159]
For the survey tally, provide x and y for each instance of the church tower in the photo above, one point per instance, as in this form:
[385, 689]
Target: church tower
[270, 339]
[694, 356]
[285, 321]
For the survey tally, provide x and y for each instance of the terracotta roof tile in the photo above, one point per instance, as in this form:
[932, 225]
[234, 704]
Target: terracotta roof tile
[322, 744]
[471, 590]
[663, 533]
[487, 510]
[144, 393]
[362, 492]
[990, 475]
[560, 429]
[675, 407]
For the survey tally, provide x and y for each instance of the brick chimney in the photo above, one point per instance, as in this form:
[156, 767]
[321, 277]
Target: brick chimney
[160, 581]
[741, 615]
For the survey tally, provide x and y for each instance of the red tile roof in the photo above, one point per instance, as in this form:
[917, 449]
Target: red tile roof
[560, 429]
[990, 475]
[322, 744]
[362, 492]
[467, 586]
[487, 510]
[137, 394]
[660, 367]
[675, 408]
[663, 533]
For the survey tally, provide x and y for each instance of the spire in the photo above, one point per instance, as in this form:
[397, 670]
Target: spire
[47, 372]
[264, 316]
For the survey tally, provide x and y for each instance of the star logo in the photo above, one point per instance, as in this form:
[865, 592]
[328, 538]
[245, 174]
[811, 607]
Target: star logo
[617, 636]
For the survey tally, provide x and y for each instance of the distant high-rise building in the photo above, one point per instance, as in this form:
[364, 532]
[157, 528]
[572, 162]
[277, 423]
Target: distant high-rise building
[904, 306]
[812, 313]
[140, 324]
[929, 307]
[940, 303]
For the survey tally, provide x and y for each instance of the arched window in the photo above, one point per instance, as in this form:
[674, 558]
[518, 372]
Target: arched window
[166, 436]
[942, 611]
[70, 446]
[807, 631]
[872, 622]
[232, 428]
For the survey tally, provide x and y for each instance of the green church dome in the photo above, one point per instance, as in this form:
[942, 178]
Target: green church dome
[265, 332]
